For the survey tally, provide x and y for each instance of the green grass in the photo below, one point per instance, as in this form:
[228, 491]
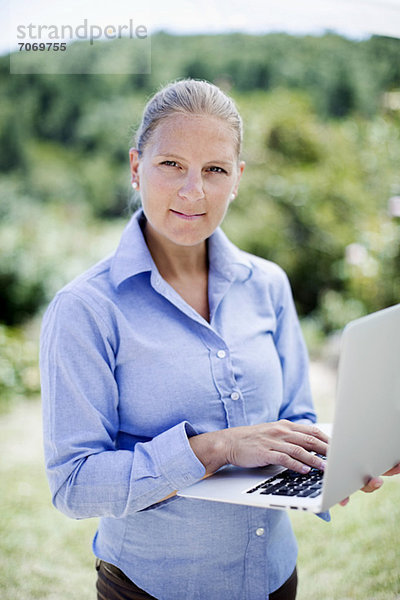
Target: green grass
[356, 555]
[44, 555]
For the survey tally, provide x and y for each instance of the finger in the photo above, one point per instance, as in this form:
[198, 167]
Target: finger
[300, 454]
[274, 457]
[311, 430]
[372, 485]
[394, 471]
[344, 502]
[306, 436]
[297, 458]
[308, 442]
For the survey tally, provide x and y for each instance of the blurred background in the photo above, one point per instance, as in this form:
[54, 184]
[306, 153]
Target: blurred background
[320, 196]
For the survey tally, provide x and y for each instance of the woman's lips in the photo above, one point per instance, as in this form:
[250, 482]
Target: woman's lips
[187, 216]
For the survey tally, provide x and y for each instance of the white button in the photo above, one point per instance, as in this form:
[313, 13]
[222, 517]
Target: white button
[235, 396]
[221, 353]
[260, 531]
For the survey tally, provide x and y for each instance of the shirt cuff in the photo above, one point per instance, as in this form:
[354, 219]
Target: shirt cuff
[325, 516]
[175, 457]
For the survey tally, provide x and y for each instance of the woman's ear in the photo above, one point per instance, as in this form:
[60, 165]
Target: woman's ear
[134, 163]
[241, 167]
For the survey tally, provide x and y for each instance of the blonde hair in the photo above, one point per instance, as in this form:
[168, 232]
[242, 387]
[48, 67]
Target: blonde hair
[189, 96]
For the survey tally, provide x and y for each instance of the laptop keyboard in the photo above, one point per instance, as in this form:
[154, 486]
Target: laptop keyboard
[291, 483]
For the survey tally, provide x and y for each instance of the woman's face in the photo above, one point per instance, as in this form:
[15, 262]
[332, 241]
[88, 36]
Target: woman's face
[187, 175]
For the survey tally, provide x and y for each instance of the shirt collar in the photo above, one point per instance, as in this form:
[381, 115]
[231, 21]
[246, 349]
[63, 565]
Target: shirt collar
[226, 259]
[133, 256]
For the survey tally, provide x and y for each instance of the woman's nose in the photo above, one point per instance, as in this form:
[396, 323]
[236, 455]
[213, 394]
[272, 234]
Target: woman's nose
[192, 187]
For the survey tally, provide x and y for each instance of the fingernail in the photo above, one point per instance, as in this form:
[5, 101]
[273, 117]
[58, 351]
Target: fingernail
[322, 466]
[305, 469]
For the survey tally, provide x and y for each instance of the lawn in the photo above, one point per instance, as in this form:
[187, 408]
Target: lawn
[44, 555]
[356, 555]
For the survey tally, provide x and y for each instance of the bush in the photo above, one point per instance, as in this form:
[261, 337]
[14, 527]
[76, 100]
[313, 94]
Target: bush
[19, 371]
[313, 189]
[42, 248]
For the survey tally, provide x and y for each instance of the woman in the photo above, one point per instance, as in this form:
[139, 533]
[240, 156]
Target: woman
[175, 356]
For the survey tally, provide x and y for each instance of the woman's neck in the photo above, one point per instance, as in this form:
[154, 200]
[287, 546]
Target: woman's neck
[176, 262]
[185, 268]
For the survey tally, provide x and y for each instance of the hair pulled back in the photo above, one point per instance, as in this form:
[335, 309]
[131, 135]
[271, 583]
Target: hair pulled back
[189, 96]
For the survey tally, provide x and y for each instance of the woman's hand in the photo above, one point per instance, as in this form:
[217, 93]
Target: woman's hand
[278, 443]
[375, 483]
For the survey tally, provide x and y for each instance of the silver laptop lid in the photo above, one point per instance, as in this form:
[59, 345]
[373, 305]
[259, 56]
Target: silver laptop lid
[366, 432]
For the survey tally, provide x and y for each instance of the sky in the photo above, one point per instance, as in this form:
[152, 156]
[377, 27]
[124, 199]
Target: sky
[353, 18]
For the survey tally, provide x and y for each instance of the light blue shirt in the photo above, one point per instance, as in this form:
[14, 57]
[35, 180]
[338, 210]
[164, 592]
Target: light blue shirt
[129, 372]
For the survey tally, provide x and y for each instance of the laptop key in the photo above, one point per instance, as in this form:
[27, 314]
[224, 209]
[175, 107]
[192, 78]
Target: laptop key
[291, 483]
[315, 494]
[285, 492]
[270, 489]
[305, 493]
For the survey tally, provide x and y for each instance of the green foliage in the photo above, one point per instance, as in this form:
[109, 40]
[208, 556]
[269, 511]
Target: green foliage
[321, 152]
[21, 286]
[294, 133]
[307, 211]
[42, 248]
[12, 151]
[19, 374]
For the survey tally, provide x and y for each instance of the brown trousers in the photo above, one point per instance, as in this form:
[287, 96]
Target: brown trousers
[113, 584]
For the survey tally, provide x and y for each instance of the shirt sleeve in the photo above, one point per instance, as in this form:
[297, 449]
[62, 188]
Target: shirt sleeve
[297, 404]
[88, 475]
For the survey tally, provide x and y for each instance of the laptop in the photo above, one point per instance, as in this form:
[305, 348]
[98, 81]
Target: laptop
[365, 439]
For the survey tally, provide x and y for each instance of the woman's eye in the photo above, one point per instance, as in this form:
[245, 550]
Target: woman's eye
[170, 163]
[217, 170]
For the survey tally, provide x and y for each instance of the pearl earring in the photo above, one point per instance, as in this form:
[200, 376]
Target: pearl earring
[134, 185]
[232, 196]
